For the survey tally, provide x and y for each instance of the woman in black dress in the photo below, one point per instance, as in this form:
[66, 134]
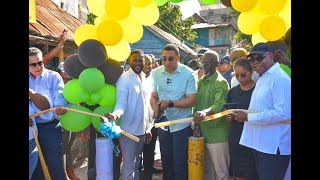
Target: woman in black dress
[241, 159]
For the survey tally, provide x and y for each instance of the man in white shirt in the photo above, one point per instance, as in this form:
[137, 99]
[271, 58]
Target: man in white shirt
[264, 131]
[133, 95]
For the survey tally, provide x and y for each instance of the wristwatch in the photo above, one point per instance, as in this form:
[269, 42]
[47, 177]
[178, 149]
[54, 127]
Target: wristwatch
[170, 104]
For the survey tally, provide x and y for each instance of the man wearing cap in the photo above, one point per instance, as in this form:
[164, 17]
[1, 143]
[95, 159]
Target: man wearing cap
[264, 130]
[234, 55]
[226, 69]
[199, 73]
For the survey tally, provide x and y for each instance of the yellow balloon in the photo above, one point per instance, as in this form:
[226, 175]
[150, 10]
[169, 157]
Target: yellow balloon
[147, 15]
[272, 28]
[109, 32]
[132, 29]
[96, 6]
[286, 14]
[84, 32]
[101, 18]
[120, 51]
[118, 9]
[140, 3]
[248, 22]
[243, 5]
[256, 38]
[271, 7]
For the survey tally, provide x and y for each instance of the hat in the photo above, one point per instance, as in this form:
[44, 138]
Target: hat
[260, 48]
[236, 53]
[60, 67]
[202, 51]
[225, 59]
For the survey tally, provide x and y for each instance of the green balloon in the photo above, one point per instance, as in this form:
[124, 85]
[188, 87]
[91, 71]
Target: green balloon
[101, 110]
[71, 91]
[208, 1]
[91, 80]
[84, 96]
[286, 69]
[160, 2]
[109, 95]
[175, 1]
[95, 98]
[75, 122]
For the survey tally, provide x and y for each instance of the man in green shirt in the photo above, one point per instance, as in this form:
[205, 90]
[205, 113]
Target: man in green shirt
[211, 97]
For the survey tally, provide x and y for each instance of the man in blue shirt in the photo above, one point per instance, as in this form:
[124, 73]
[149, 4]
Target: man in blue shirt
[174, 89]
[49, 131]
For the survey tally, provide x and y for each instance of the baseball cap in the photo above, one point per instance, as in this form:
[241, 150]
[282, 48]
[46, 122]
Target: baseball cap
[260, 48]
[60, 67]
[225, 59]
[202, 51]
[236, 53]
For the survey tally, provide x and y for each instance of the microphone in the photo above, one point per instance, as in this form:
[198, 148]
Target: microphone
[168, 80]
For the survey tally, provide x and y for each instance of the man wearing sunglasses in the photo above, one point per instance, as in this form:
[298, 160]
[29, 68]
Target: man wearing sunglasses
[211, 97]
[264, 131]
[48, 82]
[174, 89]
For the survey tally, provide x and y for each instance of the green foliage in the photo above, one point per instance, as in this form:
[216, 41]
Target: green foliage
[171, 22]
[90, 18]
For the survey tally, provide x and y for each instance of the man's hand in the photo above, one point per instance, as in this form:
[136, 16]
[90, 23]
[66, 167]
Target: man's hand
[281, 57]
[110, 117]
[240, 116]
[229, 118]
[148, 137]
[59, 110]
[199, 116]
[164, 104]
[62, 39]
[30, 122]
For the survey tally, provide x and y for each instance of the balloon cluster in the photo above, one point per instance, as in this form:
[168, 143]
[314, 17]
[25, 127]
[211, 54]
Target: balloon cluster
[94, 76]
[265, 20]
[118, 23]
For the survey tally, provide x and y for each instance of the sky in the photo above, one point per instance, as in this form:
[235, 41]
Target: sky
[189, 7]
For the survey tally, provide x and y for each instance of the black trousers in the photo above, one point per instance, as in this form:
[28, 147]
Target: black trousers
[148, 155]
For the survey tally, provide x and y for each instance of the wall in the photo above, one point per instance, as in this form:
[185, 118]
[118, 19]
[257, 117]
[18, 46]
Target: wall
[203, 37]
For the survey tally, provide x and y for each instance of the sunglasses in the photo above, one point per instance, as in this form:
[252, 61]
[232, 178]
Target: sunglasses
[170, 58]
[242, 75]
[257, 58]
[40, 63]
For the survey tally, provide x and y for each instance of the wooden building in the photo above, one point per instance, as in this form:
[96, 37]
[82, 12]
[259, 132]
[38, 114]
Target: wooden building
[51, 20]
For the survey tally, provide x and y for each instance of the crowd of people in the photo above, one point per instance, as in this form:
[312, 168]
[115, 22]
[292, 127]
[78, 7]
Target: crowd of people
[247, 145]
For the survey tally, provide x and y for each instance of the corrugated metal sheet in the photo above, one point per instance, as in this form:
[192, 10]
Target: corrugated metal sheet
[209, 25]
[52, 20]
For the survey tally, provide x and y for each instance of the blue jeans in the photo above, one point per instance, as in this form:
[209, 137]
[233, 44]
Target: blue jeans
[33, 156]
[174, 153]
[50, 140]
[271, 166]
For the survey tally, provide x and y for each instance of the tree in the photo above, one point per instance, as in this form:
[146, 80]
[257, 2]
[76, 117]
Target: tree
[170, 20]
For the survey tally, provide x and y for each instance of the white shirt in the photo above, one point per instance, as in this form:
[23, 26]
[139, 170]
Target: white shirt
[133, 101]
[235, 82]
[271, 98]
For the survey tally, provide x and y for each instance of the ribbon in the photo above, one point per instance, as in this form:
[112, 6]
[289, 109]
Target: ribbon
[110, 130]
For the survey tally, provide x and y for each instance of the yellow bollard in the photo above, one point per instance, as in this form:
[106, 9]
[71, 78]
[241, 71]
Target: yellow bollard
[196, 158]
